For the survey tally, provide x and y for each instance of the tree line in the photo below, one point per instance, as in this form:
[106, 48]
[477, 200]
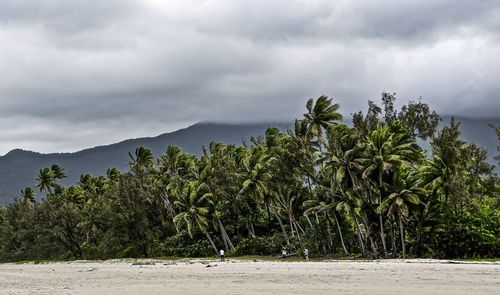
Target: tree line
[367, 189]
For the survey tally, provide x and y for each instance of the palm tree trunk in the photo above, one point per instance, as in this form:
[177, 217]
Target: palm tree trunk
[252, 228]
[291, 227]
[297, 225]
[374, 247]
[298, 235]
[329, 232]
[268, 216]
[340, 233]
[393, 238]
[282, 227]
[401, 231]
[211, 242]
[309, 221]
[360, 235]
[382, 235]
[226, 246]
[225, 235]
[228, 239]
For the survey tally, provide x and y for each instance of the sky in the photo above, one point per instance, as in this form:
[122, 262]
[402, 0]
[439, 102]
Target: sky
[76, 74]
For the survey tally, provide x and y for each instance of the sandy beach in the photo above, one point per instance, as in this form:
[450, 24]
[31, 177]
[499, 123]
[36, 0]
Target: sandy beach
[250, 277]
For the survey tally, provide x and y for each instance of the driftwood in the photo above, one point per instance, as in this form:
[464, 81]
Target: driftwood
[287, 255]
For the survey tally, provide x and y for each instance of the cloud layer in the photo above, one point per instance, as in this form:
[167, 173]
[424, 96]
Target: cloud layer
[78, 73]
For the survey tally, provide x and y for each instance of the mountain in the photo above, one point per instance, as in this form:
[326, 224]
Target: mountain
[18, 168]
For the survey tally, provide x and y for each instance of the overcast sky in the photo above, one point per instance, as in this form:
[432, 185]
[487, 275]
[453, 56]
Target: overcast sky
[75, 74]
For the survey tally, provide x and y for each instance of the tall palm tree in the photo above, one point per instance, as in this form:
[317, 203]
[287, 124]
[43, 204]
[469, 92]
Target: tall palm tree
[326, 203]
[387, 148]
[256, 177]
[321, 115]
[28, 195]
[194, 205]
[405, 191]
[58, 172]
[46, 180]
[340, 164]
[141, 159]
[113, 174]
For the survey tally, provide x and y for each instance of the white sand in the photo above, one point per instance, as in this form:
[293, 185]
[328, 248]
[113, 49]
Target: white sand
[377, 277]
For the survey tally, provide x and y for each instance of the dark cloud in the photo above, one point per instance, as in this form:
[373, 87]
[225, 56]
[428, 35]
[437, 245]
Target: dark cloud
[79, 73]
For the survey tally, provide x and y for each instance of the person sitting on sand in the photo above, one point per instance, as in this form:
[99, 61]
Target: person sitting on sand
[222, 258]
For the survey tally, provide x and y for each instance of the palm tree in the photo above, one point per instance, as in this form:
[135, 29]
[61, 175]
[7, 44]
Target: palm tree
[340, 163]
[257, 176]
[141, 160]
[387, 148]
[194, 205]
[28, 195]
[325, 203]
[46, 180]
[320, 115]
[113, 174]
[58, 172]
[406, 191]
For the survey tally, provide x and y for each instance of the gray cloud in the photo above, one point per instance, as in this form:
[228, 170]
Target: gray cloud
[77, 73]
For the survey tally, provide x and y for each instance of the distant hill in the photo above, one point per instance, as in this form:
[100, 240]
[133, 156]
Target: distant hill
[18, 168]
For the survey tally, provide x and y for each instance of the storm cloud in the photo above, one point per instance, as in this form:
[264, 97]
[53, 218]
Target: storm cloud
[80, 73]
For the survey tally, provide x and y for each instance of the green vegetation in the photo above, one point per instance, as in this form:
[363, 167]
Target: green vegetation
[365, 191]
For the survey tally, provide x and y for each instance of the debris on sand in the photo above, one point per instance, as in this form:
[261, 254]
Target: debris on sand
[143, 263]
[88, 270]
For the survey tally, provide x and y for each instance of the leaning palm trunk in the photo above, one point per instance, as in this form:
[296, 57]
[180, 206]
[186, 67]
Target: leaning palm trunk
[374, 247]
[401, 231]
[382, 235]
[226, 246]
[394, 249]
[360, 235]
[225, 236]
[340, 234]
[282, 227]
[297, 225]
[298, 234]
[308, 220]
[211, 242]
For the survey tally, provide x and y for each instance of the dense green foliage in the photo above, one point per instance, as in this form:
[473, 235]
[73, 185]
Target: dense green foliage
[368, 190]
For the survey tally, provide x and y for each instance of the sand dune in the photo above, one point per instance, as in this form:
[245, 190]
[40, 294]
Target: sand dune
[241, 277]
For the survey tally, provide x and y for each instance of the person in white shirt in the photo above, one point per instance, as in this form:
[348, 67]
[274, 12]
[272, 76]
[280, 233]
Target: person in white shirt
[222, 258]
[306, 254]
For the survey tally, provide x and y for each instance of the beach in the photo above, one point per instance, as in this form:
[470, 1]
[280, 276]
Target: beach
[251, 277]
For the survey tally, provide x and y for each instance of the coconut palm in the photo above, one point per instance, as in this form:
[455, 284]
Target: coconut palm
[321, 115]
[141, 159]
[28, 195]
[326, 203]
[194, 205]
[58, 172]
[405, 191]
[387, 148]
[256, 177]
[46, 180]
